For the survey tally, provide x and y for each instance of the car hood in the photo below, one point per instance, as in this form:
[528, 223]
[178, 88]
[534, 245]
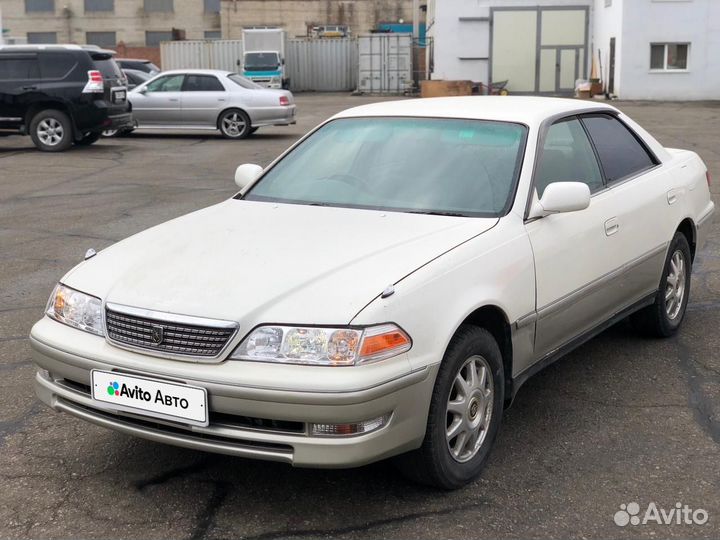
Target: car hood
[255, 262]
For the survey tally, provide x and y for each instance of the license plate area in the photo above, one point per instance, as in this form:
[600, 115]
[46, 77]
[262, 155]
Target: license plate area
[119, 96]
[150, 397]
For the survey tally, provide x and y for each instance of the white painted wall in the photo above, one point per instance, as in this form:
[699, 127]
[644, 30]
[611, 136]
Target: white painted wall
[658, 21]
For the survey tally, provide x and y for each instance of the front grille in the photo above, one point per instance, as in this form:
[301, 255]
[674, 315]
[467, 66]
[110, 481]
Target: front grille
[167, 337]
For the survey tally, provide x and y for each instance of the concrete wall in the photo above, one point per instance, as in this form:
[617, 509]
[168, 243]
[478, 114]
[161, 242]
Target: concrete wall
[129, 20]
[659, 21]
[295, 16]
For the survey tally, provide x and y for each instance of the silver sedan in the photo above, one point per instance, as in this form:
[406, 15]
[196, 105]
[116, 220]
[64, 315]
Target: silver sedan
[211, 100]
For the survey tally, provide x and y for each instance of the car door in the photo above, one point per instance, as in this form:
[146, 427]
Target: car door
[645, 201]
[203, 98]
[20, 84]
[576, 253]
[159, 101]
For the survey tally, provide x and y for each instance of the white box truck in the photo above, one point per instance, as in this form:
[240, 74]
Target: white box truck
[264, 56]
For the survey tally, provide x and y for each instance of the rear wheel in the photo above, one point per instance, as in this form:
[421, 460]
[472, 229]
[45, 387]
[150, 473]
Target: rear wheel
[465, 413]
[664, 316]
[234, 124]
[88, 139]
[51, 131]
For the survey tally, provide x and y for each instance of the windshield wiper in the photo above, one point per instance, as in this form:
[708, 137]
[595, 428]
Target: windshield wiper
[437, 213]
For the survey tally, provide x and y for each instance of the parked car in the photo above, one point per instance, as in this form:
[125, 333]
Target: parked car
[384, 287]
[209, 100]
[60, 94]
[138, 64]
[136, 77]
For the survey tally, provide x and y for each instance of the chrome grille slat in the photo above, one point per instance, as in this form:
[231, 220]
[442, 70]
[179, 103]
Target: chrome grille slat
[178, 338]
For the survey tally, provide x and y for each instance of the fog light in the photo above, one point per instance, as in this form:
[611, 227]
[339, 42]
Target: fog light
[355, 428]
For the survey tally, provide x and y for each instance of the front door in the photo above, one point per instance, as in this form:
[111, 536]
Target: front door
[575, 253]
[159, 102]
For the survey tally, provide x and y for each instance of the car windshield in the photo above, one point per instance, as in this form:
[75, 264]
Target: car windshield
[261, 61]
[242, 81]
[422, 165]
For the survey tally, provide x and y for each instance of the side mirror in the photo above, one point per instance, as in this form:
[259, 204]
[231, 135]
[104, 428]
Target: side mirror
[561, 197]
[143, 90]
[247, 174]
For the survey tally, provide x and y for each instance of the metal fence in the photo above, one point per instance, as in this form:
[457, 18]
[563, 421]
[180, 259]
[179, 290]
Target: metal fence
[323, 65]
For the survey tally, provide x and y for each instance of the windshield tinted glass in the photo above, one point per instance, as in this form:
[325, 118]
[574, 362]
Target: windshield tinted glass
[242, 81]
[447, 166]
[261, 61]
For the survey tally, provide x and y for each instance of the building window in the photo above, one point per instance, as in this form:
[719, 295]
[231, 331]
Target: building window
[101, 39]
[669, 56]
[212, 6]
[159, 6]
[99, 5]
[153, 39]
[42, 37]
[213, 34]
[32, 6]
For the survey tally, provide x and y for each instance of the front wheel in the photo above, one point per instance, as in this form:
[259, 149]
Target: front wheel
[234, 124]
[663, 317]
[465, 413]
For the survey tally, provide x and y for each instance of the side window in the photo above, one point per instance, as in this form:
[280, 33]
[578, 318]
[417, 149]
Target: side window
[621, 154]
[56, 65]
[171, 83]
[19, 68]
[202, 83]
[567, 156]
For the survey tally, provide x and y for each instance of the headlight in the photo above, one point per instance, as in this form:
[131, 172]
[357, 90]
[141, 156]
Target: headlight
[76, 309]
[322, 346]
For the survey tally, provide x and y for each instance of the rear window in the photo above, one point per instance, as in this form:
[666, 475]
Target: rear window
[108, 67]
[19, 68]
[56, 65]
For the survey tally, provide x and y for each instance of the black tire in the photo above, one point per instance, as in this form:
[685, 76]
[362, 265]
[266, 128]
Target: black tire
[234, 124]
[89, 139]
[433, 464]
[253, 130]
[51, 131]
[659, 319]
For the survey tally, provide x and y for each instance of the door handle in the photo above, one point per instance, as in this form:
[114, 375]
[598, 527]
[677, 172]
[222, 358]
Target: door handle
[612, 226]
[173, 99]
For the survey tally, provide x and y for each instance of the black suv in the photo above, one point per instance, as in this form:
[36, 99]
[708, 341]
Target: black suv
[60, 94]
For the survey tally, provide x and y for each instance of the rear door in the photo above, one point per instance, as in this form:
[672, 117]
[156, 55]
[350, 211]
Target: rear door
[203, 98]
[159, 102]
[644, 203]
[19, 85]
[114, 82]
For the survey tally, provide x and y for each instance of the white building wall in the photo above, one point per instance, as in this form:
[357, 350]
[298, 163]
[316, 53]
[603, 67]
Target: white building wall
[662, 21]
[461, 34]
[607, 23]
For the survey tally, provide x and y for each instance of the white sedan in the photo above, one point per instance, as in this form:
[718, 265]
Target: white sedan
[205, 99]
[384, 287]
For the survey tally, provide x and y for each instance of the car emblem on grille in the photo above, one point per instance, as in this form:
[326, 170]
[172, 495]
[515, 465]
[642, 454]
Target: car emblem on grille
[157, 334]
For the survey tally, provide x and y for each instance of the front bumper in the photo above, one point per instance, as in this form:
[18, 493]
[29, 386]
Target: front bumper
[247, 421]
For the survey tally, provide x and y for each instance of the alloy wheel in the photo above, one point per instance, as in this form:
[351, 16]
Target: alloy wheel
[50, 131]
[675, 285]
[233, 124]
[469, 409]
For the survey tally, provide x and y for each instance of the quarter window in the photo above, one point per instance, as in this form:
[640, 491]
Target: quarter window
[669, 56]
[56, 65]
[202, 83]
[567, 156]
[19, 68]
[621, 154]
[171, 83]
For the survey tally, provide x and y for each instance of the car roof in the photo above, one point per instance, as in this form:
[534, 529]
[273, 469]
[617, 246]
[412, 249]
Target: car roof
[531, 110]
[56, 46]
[196, 72]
